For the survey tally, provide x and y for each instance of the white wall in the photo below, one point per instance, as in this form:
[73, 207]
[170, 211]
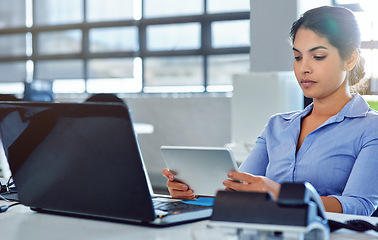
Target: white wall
[258, 96]
[271, 21]
[270, 25]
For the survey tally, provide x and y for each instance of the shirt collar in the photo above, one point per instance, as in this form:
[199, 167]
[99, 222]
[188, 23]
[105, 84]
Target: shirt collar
[357, 107]
[291, 116]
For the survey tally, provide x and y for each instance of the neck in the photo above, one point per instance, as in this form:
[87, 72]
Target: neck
[330, 105]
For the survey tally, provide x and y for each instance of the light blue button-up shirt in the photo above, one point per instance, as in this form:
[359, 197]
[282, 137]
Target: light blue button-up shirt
[339, 158]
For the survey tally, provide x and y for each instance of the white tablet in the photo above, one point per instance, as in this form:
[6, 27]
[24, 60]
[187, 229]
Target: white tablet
[203, 168]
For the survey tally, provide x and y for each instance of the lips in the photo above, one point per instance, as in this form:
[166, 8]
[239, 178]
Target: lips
[306, 83]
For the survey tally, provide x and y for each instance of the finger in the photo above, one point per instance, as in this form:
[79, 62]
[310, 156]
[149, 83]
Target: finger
[168, 174]
[232, 185]
[182, 194]
[243, 186]
[243, 177]
[179, 190]
[257, 185]
[177, 185]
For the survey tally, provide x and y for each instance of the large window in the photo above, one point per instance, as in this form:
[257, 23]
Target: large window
[119, 46]
[366, 12]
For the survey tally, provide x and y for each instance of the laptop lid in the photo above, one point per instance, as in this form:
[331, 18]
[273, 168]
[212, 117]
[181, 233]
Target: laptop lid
[76, 158]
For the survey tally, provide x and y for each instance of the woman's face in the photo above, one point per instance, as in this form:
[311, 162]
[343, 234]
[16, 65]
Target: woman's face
[318, 67]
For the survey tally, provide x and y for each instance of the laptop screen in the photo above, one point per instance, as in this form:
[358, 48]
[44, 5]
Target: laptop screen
[76, 158]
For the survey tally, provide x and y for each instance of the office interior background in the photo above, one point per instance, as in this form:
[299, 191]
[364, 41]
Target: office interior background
[190, 68]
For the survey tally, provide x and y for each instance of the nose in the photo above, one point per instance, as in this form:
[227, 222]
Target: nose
[305, 66]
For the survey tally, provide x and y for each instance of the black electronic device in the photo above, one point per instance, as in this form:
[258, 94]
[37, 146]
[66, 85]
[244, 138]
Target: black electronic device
[298, 211]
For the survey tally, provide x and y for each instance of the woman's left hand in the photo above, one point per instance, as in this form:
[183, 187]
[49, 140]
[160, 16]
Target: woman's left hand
[250, 183]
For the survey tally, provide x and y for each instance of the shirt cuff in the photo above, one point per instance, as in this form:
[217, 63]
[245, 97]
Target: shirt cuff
[355, 205]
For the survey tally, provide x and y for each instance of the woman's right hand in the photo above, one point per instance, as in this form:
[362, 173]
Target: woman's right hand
[177, 189]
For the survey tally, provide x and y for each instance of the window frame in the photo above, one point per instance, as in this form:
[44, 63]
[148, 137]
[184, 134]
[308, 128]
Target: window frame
[205, 20]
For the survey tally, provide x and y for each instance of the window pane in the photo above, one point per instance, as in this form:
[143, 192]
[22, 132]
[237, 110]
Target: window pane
[221, 68]
[220, 6]
[371, 61]
[59, 42]
[374, 63]
[53, 12]
[12, 45]
[364, 22]
[367, 54]
[109, 10]
[69, 86]
[111, 68]
[114, 85]
[168, 8]
[59, 69]
[347, 1]
[174, 37]
[13, 71]
[223, 34]
[12, 13]
[173, 71]
[12, 88]
[113, 39]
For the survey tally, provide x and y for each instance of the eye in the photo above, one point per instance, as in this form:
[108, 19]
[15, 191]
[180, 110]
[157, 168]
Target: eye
[318, 58]
[298, 58]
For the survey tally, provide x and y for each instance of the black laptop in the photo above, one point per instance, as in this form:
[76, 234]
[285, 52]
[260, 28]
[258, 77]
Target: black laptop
[84, 160]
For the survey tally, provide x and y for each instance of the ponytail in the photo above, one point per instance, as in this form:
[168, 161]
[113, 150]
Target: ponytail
[356, 76]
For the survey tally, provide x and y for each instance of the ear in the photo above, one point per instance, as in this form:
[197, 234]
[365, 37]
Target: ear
[351, 62]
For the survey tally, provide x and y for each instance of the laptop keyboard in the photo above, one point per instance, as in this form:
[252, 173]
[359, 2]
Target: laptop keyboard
[168, 206]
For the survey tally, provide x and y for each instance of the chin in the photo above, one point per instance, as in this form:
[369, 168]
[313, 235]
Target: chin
[308, 96]
[307, 93]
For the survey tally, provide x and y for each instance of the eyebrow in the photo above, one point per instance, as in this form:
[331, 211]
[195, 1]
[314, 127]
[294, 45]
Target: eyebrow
[312, 49]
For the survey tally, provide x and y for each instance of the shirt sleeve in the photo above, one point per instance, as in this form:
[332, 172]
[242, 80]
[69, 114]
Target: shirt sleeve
[360, 195]
[257, 160]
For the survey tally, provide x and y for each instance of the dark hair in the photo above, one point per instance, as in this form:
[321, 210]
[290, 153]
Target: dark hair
[105, 97]
[339, 26]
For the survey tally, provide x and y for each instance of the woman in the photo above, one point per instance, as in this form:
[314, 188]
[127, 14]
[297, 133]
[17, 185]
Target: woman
[332, 143]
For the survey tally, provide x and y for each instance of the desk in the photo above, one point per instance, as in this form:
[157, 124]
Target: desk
[20, 223]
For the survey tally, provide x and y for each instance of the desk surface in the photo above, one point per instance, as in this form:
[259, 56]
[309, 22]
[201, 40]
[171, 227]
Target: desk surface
[20, 223]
